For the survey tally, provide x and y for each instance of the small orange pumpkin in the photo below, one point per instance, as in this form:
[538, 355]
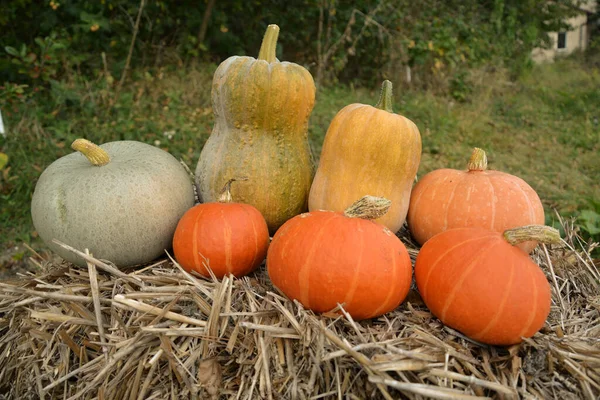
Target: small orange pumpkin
[232, 238]
[479, 198]
[326, 258]
[477, 282]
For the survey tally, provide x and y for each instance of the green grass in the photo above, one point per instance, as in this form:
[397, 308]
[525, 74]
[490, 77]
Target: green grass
[542, 128]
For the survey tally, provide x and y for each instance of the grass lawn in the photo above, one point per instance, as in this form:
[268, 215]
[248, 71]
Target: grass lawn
[543, 128]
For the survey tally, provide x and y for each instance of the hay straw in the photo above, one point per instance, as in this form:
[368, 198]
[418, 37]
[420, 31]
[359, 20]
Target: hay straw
[159, 332]
[96, 301]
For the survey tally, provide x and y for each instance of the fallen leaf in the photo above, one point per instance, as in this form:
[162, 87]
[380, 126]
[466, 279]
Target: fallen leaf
[209, 376]
[3, 160]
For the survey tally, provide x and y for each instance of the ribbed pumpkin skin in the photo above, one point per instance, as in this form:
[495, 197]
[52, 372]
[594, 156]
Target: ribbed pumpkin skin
[447, 198]
[367, 151]
[261, 132]
[233, 237]
[324, 258]
[477, 283]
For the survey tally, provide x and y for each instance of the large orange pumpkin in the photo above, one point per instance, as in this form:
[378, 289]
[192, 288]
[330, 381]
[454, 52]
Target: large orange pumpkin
[477, 282]
[368, 150]
[231, 238]
[447, 198]
[322, 258]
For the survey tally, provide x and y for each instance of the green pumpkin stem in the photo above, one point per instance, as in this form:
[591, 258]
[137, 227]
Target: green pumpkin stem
[478, 160]
[269, 44]
[225, 196]
[368, 207]
[385, 98]
[94, 153]
[539, 233]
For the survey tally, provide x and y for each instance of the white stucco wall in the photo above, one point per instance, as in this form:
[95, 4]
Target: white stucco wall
[576, 39]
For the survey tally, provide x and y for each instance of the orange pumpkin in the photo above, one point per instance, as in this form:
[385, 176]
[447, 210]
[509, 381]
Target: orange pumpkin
[231, 238]
[447, 198]
[477, 282]
[322, 258]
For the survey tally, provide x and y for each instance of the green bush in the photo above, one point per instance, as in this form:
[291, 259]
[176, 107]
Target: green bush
[368, 40]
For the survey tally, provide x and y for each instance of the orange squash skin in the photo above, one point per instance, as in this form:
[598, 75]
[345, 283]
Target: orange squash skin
[323, 258]
[233, 237]
[447, 198]
[367, 150]
[474, 281]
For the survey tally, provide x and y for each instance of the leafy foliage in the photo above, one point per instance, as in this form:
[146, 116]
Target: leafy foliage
[61, 60]
[588, 220]
[46, 40]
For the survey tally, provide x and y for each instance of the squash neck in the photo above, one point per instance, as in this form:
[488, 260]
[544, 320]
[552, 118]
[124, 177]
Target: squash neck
[538, 233]
[478, 160]
[368, 207]
[225, 196]
[94, 153]
[385, 98]
[269, 44]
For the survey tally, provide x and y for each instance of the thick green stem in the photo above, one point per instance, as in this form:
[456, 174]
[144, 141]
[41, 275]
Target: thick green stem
[225, 196]
[385, 98]
[478, 160]
[269, 44]
[539, 233]
[369, 207]
[95, 154]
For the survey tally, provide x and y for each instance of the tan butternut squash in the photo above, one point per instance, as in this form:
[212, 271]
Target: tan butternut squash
[368, 151]
[261, 108]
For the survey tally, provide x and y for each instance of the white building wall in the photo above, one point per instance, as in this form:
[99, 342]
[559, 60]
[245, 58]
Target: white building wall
[576, 39]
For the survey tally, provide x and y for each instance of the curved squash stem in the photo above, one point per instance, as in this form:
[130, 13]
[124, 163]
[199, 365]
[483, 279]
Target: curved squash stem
[269, 44]
[368, 207]
[95, 154]
[385, 98]
[478, 160]
[539, 233]
[225, 196]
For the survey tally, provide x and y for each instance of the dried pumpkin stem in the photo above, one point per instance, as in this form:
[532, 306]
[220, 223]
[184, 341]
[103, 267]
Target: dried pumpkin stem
[478, 160]
[94, 153]
[225, 196]
[539, 233]
[385, 98]
[368, 207]
[269, 44]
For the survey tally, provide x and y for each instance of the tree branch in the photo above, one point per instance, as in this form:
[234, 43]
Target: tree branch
[205, 19]
[136, 28]
[326, 52]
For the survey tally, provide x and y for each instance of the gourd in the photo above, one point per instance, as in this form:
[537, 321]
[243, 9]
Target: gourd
[476, 281]
[368, 150]
[325, 258]
[448, 198]
[261, 109]
[121, 200]
[231, 238]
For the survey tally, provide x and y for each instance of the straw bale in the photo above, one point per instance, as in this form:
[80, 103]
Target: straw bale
[158, 332]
